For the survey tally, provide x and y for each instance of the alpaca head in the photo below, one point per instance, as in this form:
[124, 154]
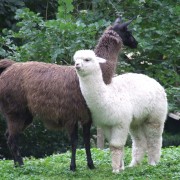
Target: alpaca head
[86, 62]
[122, 29]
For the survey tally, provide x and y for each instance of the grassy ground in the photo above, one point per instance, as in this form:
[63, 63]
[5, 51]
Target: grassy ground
[56, 167]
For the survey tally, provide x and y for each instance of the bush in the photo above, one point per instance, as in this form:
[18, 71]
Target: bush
[8, 9]
[173, 94]
[77, 26]
[49, 41]
[170, 139]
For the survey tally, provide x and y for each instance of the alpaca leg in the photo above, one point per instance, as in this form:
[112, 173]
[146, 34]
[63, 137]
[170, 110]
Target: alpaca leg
[117, 142]
[74, 140]
[117, 156]
[86, 136]
[153, 133]
[139, 145]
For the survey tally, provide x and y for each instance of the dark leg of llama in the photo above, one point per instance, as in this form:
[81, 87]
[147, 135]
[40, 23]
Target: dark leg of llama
[86, 136]
[15, 127]
[74, 141]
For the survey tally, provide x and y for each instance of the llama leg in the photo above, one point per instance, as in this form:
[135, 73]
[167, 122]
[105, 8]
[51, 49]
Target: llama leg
[153, 133]
[12, 142]
[86, 136]
[74, 139]
[139, 145]
[13, 147]
[16, 124]
[12, 134]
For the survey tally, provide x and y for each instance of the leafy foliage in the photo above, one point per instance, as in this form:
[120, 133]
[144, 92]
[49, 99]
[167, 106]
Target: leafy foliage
[171, 139]
[47, 9]
[57, 167]
[49, 41]
[8, 9]
[174, 98]
[77, 25]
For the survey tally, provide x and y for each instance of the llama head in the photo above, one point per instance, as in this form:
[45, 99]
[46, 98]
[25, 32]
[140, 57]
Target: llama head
[122, 29]
[87, 62]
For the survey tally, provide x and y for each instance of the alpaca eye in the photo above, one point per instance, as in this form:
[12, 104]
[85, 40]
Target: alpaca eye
[86, 60]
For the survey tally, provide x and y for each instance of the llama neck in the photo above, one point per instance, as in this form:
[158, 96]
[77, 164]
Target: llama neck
[108, 48]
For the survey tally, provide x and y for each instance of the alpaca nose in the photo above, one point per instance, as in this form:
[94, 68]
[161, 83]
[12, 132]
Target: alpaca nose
[78, 66]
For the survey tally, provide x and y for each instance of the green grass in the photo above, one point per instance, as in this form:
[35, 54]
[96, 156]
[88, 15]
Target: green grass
[56, 167]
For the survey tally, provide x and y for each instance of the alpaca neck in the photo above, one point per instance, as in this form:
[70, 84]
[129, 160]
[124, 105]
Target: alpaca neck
[108, 48]
[92, 86]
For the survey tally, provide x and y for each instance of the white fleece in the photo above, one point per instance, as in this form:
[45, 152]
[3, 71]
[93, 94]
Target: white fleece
[132, 103]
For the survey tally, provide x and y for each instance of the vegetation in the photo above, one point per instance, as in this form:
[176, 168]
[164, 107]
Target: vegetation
[78, 24]
[52, 30]
[57, 167]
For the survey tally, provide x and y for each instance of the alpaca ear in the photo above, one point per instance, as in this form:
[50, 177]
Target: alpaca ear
[101, 60]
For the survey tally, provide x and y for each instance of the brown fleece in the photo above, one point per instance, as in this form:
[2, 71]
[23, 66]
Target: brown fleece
[50, 92]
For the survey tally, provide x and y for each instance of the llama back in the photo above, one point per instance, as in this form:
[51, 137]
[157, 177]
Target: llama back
[5, 63]
[41, 87]
[146, 95]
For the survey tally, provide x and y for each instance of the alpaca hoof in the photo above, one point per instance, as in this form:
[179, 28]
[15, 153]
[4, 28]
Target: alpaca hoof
[133, 163]
[116, 171]
[153, 163]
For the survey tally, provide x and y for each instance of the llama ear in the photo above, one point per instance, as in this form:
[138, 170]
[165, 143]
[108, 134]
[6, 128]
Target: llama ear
[125, 25]
[118, 20]
[101, 60]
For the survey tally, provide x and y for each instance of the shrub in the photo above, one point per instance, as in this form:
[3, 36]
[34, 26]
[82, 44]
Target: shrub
[50, 41]
[171, 139]
[77, 26]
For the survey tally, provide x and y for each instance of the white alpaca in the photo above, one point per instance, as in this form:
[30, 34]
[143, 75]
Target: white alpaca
[132, 103]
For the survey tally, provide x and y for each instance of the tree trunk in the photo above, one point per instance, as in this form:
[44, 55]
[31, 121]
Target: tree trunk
[100, 138]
